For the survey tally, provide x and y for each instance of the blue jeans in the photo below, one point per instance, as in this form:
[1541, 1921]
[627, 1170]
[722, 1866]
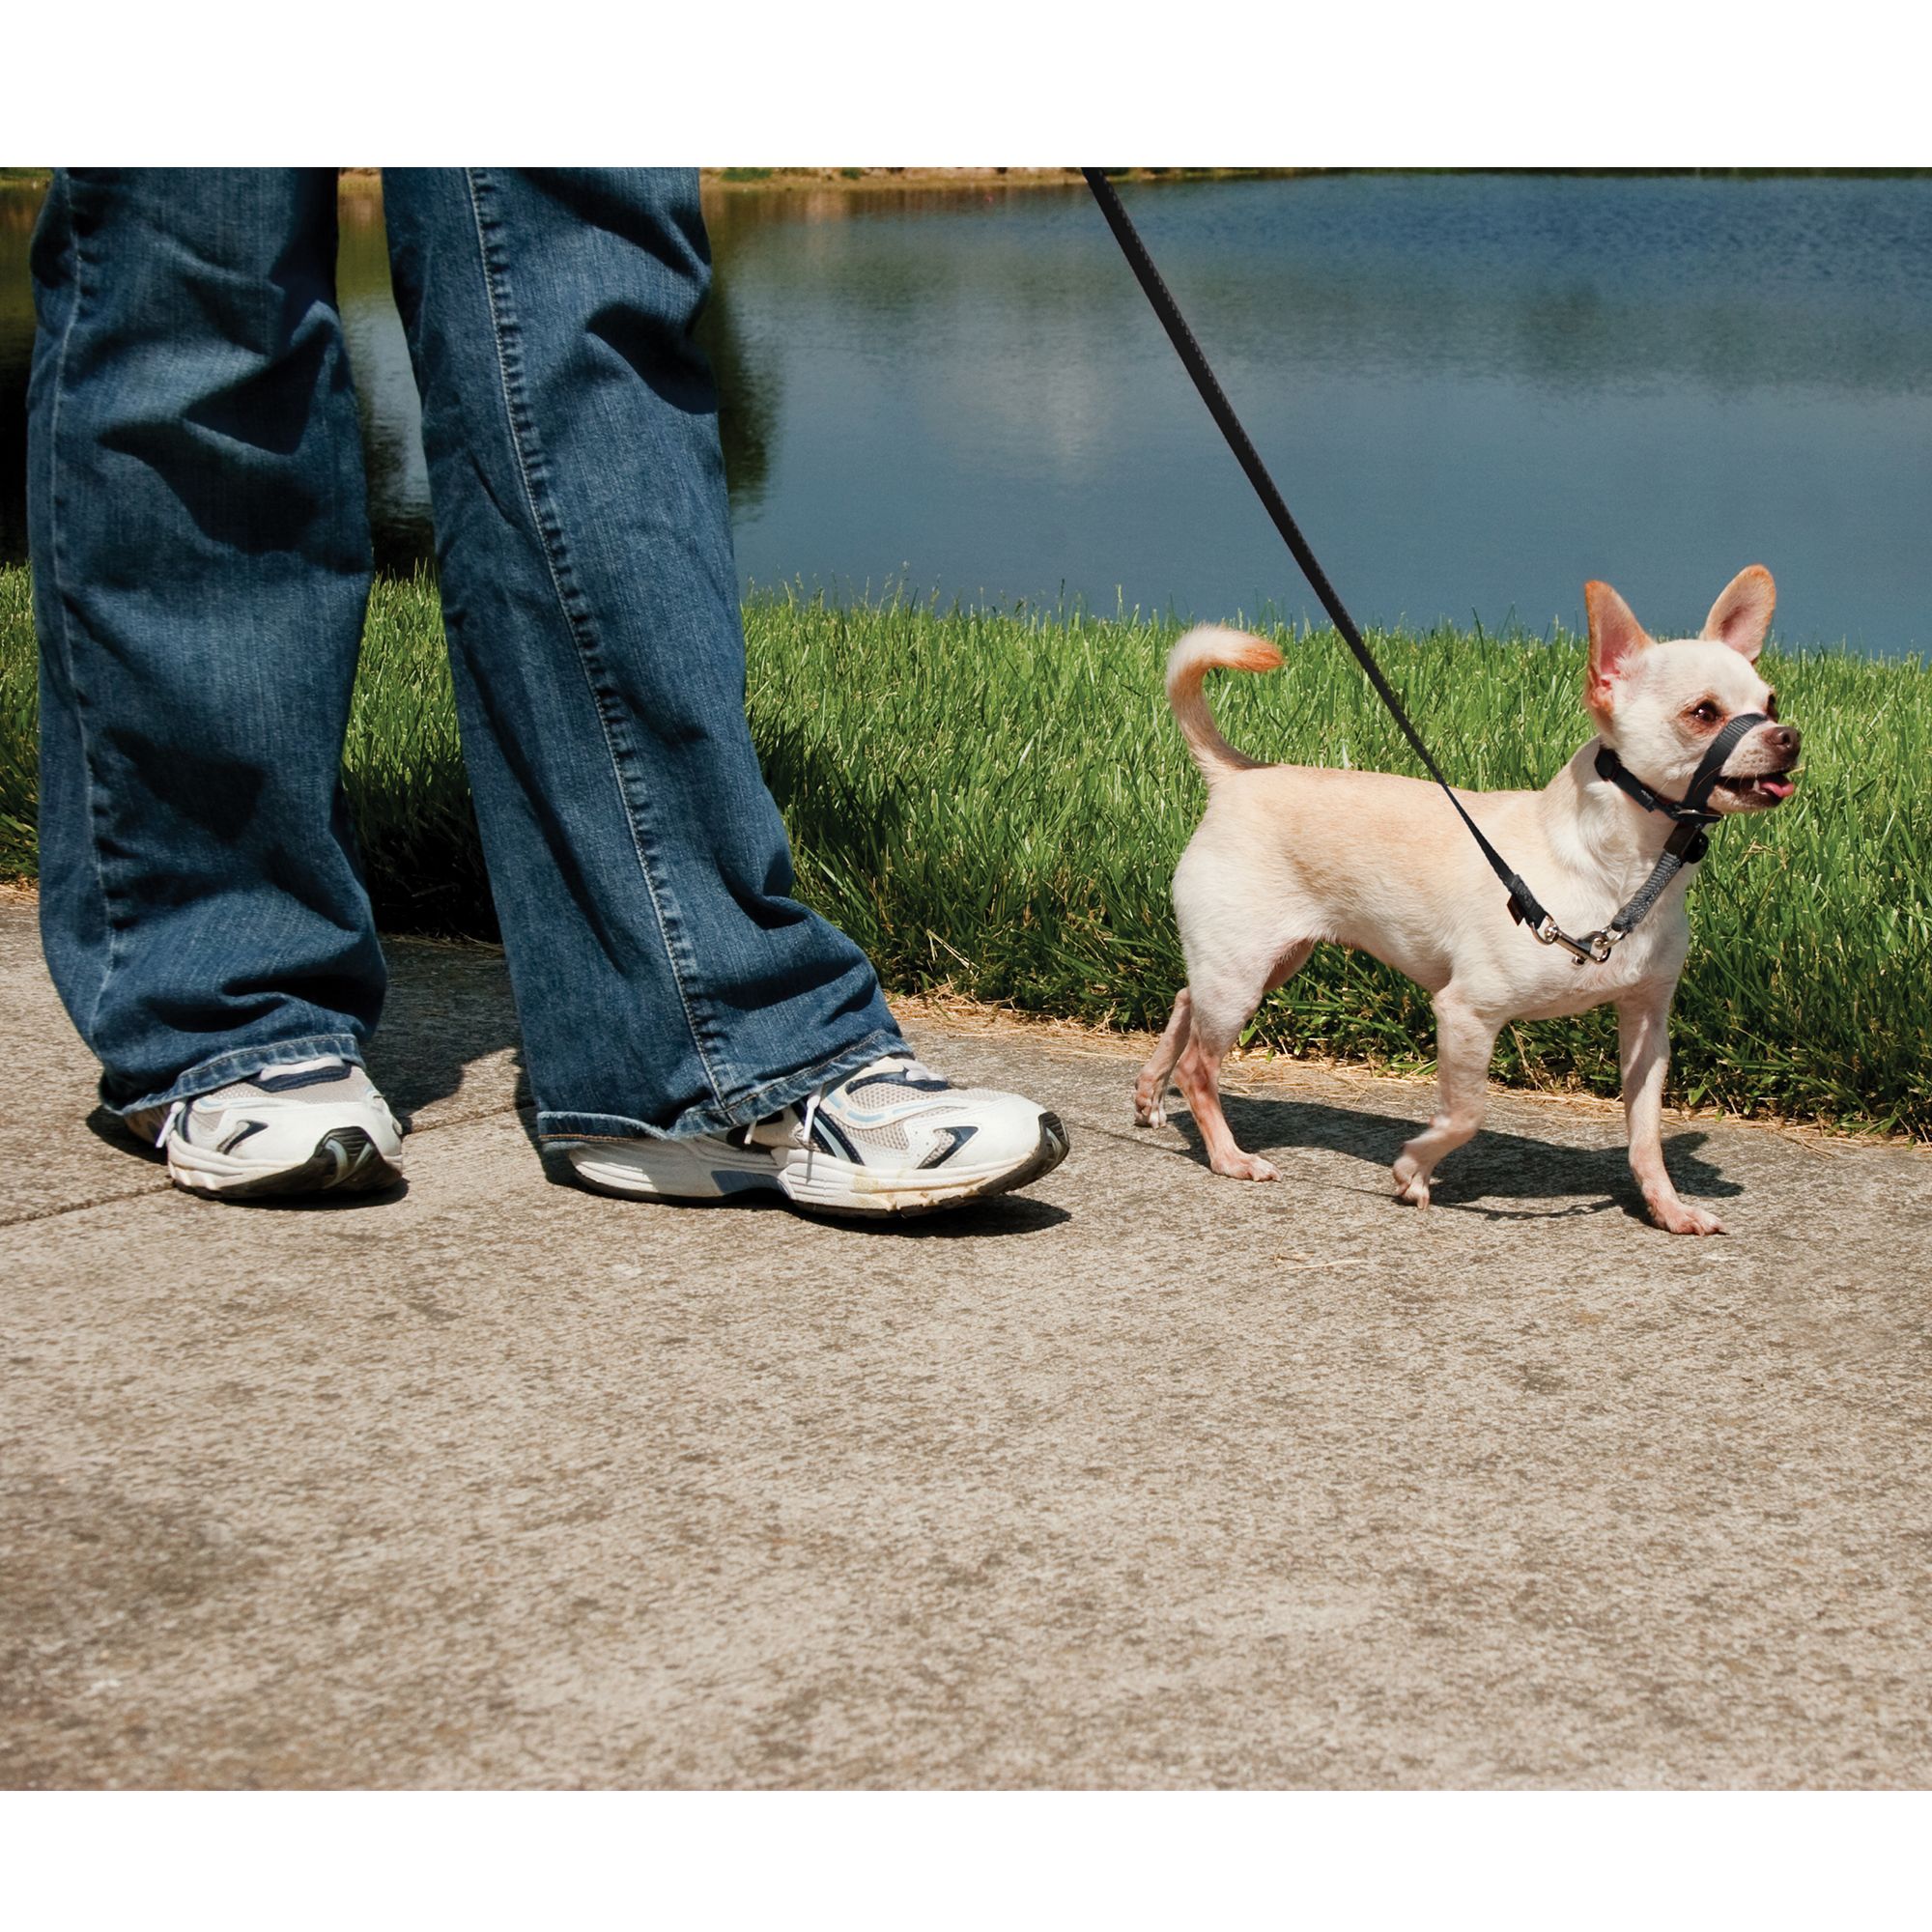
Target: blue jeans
[201, 566]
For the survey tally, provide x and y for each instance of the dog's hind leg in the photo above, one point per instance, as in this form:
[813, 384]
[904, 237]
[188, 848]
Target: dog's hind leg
[1464, 1044]
[1150, 1089]
[1222, 1006]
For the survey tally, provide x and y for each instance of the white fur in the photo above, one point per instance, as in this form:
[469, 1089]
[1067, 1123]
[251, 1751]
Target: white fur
[1287, 855]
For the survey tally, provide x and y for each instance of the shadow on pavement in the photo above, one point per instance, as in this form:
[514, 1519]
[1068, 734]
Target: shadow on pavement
[104, 1124]
[1495, 1165]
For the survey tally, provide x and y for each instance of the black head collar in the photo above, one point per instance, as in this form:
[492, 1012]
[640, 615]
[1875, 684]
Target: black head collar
[1685, 847]
[1692, 812]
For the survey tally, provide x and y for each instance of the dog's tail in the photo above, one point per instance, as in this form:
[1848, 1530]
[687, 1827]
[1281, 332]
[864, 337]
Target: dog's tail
[1210, 648]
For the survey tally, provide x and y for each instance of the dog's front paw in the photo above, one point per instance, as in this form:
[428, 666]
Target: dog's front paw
[1150, 1113]
[1411, 1184]
[1239, 1166]
[1681, 1218]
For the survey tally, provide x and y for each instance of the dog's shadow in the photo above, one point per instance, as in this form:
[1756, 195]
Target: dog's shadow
[1484, 1178]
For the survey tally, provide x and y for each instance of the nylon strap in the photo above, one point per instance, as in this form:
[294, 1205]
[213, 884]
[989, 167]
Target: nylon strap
[1524, 905]
[1679, 851]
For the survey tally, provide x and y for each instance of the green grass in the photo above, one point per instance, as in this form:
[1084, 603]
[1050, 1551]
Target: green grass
[995, 803]
[19, 713]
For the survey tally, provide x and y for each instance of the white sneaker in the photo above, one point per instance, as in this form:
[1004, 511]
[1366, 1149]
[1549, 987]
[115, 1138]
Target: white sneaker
[318, 1126]
[892, 1138]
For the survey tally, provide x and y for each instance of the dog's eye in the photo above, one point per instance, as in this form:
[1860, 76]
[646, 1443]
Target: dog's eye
[1771, 705]
[1706, 713]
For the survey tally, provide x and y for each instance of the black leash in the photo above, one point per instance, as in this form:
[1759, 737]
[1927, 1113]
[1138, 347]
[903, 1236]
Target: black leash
[1525, 906]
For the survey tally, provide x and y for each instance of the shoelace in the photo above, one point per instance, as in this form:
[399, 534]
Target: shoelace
[168, 1119]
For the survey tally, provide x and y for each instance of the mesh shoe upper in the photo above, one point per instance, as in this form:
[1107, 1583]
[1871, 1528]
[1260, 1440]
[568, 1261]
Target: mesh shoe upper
[897, 1113]
[278, 1112]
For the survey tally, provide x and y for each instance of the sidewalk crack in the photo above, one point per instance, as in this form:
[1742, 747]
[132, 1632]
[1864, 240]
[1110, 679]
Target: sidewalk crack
[161, 1186]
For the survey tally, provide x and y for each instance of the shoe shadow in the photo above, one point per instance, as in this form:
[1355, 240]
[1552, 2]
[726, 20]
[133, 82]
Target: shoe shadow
[1005, 1215]
[331, 1203]
[104, 1124]
[1493, 1170]
[449, 1008]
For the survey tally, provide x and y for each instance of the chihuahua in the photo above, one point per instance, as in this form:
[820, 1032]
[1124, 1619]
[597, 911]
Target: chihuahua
[1288, 855]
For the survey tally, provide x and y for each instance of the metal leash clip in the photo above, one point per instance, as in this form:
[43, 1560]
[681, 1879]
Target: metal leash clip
[1593, 949]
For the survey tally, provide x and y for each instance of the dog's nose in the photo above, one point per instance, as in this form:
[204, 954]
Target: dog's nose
[1783, 739]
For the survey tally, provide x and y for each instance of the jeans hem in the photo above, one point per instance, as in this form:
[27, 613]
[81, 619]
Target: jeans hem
[243, 1063]
[770, 1098]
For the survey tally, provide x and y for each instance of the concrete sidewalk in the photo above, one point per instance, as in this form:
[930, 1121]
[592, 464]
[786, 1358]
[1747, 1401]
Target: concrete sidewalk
[1145, 1478]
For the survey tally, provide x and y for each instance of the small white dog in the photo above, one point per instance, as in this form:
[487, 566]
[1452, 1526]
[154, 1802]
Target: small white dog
[1287, 855]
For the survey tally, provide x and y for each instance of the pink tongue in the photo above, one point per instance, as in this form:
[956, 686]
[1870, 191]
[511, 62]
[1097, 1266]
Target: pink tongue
[1778, 788]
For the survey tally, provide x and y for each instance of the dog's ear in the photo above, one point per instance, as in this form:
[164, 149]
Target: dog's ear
[1742, 616]
[1615, 639]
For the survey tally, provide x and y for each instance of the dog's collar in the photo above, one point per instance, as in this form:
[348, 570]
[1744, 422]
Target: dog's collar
[1612, 768]
[1687, 843]
[1694, 808]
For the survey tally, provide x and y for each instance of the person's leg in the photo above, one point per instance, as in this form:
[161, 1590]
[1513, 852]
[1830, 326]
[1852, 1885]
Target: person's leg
[666, 983]
[201, 563]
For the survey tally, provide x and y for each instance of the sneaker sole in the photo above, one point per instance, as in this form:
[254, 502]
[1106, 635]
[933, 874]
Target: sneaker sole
[667, 1171]
[345, 1161]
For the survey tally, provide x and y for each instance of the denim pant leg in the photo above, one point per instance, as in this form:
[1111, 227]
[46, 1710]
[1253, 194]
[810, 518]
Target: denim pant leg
[666, 983]
[201, 563]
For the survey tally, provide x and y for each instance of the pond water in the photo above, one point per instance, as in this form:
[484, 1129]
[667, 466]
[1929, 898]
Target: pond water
[1475, 390]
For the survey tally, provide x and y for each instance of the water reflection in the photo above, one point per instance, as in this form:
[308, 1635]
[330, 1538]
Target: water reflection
[385, 386]
[1477, 391]
[749, 396]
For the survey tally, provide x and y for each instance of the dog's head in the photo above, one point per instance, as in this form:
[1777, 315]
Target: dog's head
[1658, 703]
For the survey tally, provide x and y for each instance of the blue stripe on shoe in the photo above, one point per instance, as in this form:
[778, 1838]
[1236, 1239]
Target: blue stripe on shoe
[904, 1082]
[957, 1137]
[314, 1076]
[834, 1139]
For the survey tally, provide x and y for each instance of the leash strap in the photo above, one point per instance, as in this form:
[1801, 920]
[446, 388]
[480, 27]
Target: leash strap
[1524, 905]
[1687, 842]
[1685, 847]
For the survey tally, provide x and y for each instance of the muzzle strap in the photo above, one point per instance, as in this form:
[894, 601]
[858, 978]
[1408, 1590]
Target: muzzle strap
[1717, 755]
